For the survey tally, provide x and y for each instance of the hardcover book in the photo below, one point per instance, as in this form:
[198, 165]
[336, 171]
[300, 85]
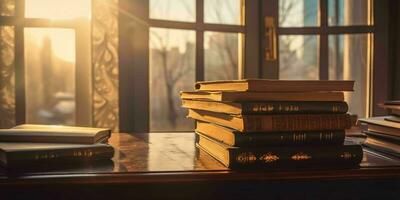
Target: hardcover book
[20, 154]
[393, 119]
[54, 134]
[275, 123]
[265, 85]
[392, 106]
[384, 146]
[241, 157]
[268, 107]
[384, 137]
[380, 125]
[233, 96]
[233, 137]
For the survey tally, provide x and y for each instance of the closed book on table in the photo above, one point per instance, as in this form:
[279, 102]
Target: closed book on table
[393, 107]
[265, 85]
[385, 146]
[233, 137]
[268, 107]
[242, 157]
[393, 119]
[382, 136]
[380, 125]
[235, 96]
[26, 154]
[54, 134]
[275, 123]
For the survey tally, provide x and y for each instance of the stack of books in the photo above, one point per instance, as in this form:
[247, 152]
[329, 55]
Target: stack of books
[251, 123]
[383, 133]
[28, 145]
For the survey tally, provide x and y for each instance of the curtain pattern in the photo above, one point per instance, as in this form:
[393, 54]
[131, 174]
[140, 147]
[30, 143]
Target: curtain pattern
[7, 81]
[105, 63]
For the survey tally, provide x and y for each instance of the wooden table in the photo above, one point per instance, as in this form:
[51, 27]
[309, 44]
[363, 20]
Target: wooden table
[160, 164]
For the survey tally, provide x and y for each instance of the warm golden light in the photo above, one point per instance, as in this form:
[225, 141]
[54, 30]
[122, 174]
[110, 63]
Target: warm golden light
[57, 9]
[62, 41]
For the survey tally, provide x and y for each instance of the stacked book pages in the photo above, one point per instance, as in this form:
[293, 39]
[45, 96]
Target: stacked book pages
[264, 123]
[383, 133]
[27, 145]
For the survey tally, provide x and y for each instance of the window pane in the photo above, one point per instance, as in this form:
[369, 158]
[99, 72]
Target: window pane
[50, 75]
[223, 11]
[298, 13]
[349, 12]
[176, 10]
[7, 78]
[59, 9]
[221, 55]
[172, 69]
[349, 60]
[298, 57]
[7, 7]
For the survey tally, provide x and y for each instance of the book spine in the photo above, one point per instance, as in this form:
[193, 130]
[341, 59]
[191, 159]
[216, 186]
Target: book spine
[60, 155]
[254, 123]
[344, 155]
[294, 107]
[290, 138]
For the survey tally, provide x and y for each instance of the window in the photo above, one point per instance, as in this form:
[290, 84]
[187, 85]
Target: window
[325, 39]
[186, 41]
[46, 62]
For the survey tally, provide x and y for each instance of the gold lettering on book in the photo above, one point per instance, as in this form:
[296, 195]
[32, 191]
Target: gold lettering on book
[269, 157]
[255, 108]
[291, 108]
[300, 137]
[346, 155]
[301, 156]
[83, 153]
[246, 158]
[263, 108]
[335, 108]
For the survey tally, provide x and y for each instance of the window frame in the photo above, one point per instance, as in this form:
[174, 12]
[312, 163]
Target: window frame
[83, 84]
[378, 46]
[134, 54]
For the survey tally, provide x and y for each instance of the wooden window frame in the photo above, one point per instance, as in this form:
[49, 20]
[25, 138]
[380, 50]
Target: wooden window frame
[379, 46]
[83, 84]
[134, 54]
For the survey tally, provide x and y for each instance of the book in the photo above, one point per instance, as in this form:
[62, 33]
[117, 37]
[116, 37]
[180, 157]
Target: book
[275, 123]
[54, 134]
[392, 106]
[268, 107]
[265, 85]
[393, 119]
[380, 125]
[238, 157]
[384, 137]
[20, 154]
[395, 102]
[231, 96]
[383, 146]
[233, 137]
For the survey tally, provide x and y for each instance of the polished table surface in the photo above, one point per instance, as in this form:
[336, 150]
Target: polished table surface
[173, 157]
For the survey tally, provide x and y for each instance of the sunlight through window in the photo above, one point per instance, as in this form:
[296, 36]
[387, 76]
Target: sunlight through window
[57, 9]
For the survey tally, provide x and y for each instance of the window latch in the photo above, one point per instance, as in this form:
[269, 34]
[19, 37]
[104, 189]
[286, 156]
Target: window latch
[270, 36]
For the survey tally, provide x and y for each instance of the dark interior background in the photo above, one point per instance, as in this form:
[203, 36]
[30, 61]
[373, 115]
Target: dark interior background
[394, 47]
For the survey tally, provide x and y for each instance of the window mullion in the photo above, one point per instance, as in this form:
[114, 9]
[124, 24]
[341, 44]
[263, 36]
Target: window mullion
[19, 63]
[323, 44]
[200, 40]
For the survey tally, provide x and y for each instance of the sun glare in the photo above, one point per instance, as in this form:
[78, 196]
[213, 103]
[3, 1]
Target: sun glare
[62, 40]
[57, 9]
